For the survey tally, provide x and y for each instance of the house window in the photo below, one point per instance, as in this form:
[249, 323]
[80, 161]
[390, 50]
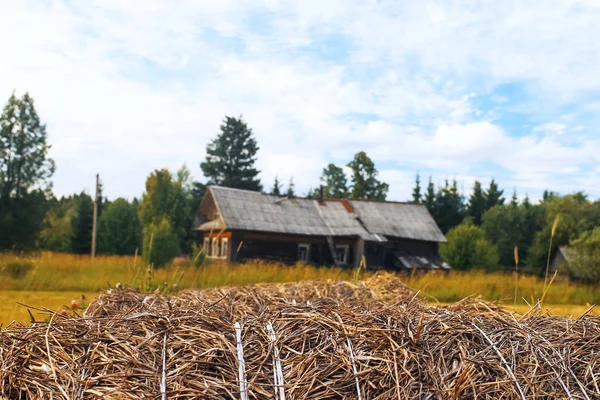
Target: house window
[224, 247]
[214, 252]
[303, 252]
[341, 253]
[206, 246]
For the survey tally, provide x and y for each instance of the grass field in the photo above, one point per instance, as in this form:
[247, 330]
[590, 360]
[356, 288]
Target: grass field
[53, 280]
[10, 310]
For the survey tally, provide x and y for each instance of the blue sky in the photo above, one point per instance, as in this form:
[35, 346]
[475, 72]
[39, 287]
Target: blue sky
[453, 89]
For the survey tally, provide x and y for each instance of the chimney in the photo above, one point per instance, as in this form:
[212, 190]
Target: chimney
[321, 193]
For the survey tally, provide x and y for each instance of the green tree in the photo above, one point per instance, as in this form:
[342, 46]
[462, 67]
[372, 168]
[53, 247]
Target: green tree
[477, 204]
[24, 161]
[119, 229]
[514, 200]
[429, 199]
[21, 219]
[512, 225]
[310, 195]
[549, 195]
[503, 227]
[81, 224]
[417, 190]
[56, 228]
[25, 172]
[198, 190]
[468, 248]
[449, 207]
[577, 215]
[161, 244]
[290, 193]
[276, 191]
[195, 198]
[170, 198]
[335, 183]
[584, 257]
[494, 196]
[365, 184]
[231, 156]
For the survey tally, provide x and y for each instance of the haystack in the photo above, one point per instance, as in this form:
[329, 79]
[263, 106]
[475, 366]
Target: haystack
[310, 340]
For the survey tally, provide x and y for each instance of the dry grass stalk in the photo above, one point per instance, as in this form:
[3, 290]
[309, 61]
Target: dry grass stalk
[552, 233]
[332, 339]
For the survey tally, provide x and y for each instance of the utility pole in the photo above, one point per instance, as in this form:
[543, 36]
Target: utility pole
[94, 223]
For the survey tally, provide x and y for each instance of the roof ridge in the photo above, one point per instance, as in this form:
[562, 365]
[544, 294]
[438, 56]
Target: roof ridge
[409, 203]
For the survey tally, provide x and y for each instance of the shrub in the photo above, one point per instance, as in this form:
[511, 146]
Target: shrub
[160, 243]
[468, 248]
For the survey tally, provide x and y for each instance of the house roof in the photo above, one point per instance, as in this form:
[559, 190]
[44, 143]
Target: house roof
[370, 220]
[566, 252]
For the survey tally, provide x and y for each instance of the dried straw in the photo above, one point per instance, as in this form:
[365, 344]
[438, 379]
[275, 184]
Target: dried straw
[311, 340]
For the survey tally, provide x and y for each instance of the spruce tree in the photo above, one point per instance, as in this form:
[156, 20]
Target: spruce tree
[477, 204]
[365, 184]
[417, 190]
[310, 195]
[494, 196]
[514, 201]
[335, 182]
[290, 191]
[231, 156]
[276, 191]
[449, 207]
[25, 172]
[429, 198]
[549, 195]
[81, 225]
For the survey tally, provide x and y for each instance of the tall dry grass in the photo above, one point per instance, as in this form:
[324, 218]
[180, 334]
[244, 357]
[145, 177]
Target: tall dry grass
[67, 272]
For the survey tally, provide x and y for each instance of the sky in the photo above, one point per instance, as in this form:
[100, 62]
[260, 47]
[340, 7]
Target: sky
[455, 89]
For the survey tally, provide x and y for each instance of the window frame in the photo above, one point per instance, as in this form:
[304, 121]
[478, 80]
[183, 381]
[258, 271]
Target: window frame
[207, 246]
[214, 247]
[224, 247]
[305, 246]
[346, 249]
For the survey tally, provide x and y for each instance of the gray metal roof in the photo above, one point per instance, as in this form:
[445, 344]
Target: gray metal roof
[254, 211]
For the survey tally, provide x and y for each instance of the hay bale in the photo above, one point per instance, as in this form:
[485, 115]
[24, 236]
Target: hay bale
[311, 340]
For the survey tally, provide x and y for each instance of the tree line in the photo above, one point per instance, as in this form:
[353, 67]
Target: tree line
[159, 224]
[484, 230]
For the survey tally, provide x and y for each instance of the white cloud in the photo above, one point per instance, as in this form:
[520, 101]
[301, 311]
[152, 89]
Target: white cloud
[127, 87]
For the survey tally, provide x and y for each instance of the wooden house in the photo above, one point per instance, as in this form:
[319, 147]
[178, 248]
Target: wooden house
[238, 225]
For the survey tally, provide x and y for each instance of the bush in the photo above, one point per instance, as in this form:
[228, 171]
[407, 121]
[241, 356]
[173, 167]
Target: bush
[160, 243]
[584, 257]
[468, 248]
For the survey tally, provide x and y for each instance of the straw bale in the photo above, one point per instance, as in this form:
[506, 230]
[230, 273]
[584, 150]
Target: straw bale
[329, 340]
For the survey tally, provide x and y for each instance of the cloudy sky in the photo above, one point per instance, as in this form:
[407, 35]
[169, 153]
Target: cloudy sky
[453, 89]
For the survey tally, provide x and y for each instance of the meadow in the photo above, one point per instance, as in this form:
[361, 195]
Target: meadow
[52, 280]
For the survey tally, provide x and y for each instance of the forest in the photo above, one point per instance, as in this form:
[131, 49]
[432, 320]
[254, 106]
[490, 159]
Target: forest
[486, 228]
